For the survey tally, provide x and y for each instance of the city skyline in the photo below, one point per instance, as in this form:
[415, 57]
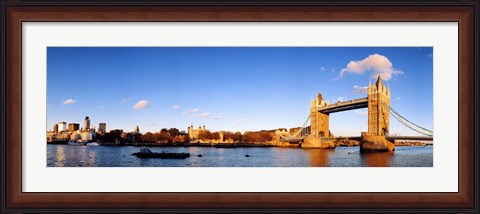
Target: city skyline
[232, 88]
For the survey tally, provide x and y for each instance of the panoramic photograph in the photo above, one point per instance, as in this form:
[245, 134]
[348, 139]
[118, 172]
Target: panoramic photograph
[239, 107]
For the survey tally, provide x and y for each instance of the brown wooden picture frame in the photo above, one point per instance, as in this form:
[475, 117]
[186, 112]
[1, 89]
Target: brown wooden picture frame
[465, 13]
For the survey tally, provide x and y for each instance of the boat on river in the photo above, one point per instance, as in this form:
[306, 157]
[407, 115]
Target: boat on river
[225, 145]
[76, 143]
[93, 144]
[146, 153]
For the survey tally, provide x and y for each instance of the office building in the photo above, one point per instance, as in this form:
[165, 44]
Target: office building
[62, 126]
[86, 123]
[102, 127]
[73, 127]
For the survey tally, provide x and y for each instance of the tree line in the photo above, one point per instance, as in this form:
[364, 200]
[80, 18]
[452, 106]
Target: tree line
[173, 135]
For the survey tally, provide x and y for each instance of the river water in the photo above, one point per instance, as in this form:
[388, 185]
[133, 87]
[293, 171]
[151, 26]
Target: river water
[104, 156]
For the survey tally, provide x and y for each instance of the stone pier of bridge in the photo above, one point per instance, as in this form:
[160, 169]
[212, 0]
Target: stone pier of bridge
[377, 102]
[320, 136]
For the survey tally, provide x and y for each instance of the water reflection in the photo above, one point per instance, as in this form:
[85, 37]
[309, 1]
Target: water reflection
[60, 156]
[377, 159]
[319, 157]
[284, 156]
[86, 156]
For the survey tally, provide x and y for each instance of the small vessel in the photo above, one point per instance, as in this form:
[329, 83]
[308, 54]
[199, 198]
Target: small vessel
[76, 143]
[93, 144]
[225, 145]
[146, 153]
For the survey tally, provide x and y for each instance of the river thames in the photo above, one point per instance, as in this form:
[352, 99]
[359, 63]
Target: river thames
[104, 156]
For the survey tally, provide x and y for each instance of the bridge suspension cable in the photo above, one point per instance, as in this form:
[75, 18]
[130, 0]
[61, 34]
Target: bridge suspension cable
[301, 132]
[407, 123]
[303, 127]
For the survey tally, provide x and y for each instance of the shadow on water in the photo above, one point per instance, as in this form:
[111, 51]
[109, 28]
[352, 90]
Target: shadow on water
[376, 159]
[319, 157]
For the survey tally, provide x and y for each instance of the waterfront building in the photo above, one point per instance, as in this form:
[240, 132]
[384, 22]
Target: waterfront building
[55, 128]
[136, 130]
[88, 135]
[86, 123]
[221, 136]
[193, 133]
[62, 126]
[63, 135]
[102, 127]
[73, 127]
[76, 135]
[51, 136]
[304, 131]
[294, 130]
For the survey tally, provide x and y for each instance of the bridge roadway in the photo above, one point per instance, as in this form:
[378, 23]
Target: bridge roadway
[391, 138]
[427, 138]
[344, 106]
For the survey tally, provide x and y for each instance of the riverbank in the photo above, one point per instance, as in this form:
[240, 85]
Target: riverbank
[218, 145]
[338, 143]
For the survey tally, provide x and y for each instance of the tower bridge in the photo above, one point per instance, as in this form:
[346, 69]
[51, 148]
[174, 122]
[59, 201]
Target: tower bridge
[318, 135]
[344, 106]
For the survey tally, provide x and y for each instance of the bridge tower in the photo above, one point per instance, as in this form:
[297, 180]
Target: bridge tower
[378, 115]
[319, 122]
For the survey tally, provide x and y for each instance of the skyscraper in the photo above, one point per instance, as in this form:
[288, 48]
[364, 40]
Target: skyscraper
[55, 128]
[86, 123]
[136, 130]
[62, 126]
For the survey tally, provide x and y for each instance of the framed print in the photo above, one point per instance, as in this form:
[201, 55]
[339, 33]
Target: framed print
[236, 106]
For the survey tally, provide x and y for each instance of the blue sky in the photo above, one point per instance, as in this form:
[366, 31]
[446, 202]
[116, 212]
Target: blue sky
[232, 88]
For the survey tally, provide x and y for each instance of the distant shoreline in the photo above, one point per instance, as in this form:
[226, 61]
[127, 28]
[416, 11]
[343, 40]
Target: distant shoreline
[229, 145]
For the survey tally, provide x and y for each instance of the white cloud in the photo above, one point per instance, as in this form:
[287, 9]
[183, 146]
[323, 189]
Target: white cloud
[217, 116]
[141, 104]
[124, 101]
[361, 112]
[240, 121]
[69, 101]
[398, 98]
[340, 99]
[196, 113]
[189, 111]
[322, 68]
[360, 89]
[176, 107]
[376, 64]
